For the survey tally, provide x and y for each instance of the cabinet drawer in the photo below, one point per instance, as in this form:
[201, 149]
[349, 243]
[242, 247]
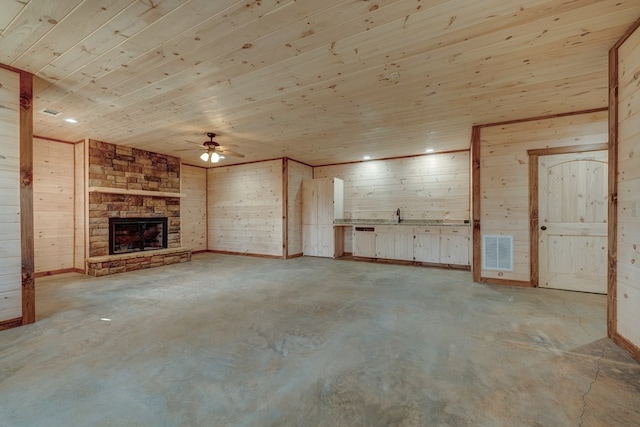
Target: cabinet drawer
[453, 230]
[430, 230]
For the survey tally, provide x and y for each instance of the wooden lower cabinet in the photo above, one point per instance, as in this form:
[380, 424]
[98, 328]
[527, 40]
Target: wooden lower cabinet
[454, 245]
[384, 242]
[448, 245]
[364, 242]
[394, 242]
[426, 245]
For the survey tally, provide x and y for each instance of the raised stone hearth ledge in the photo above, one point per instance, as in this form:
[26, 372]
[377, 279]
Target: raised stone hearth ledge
[112, 264]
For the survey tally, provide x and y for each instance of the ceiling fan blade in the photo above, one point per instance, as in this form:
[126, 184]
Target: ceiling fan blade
[224, 147]
[191, 149]
[230, 153]
[196, 143]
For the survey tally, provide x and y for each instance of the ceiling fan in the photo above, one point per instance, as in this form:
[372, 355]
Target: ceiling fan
[214, 151]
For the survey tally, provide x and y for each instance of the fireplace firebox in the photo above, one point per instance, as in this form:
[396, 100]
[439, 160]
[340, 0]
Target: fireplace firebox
[137, 234]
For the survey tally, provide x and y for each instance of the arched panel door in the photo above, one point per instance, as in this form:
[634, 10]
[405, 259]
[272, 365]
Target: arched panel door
[572, 235]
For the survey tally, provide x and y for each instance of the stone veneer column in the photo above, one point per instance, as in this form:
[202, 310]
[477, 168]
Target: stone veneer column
[120, 167]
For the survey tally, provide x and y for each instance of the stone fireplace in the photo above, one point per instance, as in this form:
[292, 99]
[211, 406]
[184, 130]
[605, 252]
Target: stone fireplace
[139, 190]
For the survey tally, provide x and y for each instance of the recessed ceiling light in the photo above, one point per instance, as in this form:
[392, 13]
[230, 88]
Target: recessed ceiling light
[367, 157]
[70, 120]
[430, 150]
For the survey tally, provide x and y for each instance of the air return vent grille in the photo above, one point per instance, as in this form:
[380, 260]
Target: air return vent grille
[50, 112]
[497, 253]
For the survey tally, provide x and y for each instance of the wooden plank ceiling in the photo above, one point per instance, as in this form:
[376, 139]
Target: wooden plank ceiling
[318, 81]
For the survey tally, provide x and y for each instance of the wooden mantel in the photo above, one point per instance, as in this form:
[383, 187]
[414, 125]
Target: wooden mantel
[110, 190]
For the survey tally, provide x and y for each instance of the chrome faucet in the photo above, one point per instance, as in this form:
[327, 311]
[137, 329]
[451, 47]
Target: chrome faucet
[398, 215]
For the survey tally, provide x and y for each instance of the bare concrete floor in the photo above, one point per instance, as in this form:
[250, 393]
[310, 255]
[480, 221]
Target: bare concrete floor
[237, 341]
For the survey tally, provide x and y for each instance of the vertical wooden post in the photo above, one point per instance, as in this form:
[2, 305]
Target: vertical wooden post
[476, 263]
[26, 198]
[285, 208]
[612, 291]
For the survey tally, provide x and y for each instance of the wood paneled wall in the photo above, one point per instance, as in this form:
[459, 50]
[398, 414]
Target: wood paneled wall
[10, 245]
[296, 173]
[504, 176]
[245, 207]
[433, 186]
[53, 205]
[193, 207]
[626, 132]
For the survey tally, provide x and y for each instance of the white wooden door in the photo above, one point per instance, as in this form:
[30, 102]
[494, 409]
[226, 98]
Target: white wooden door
[572, 211]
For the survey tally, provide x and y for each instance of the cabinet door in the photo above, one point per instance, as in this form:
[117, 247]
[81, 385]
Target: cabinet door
[454, 246]
[325, 241]
[310, 240]
[364, 244]
[426, 245]
[385, 242]
[403, 243]
[325, 200]
[309, 202]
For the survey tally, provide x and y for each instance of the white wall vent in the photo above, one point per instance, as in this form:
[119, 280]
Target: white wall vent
[497, 252]
[50, 112]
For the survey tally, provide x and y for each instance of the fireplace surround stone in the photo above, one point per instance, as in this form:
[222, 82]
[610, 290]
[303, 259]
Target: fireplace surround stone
[124, 183]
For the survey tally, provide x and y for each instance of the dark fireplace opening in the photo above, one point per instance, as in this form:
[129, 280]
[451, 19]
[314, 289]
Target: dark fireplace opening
[137, 234]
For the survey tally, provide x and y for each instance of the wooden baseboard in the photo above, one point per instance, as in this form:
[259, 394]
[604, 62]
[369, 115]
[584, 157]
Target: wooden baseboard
[54, 272]
[393, 261]
[11, 323]
[202, 251]
[626, 345]
[295, 255]
[444, 266]
[505, 282]
[245, 254]
[413, 263]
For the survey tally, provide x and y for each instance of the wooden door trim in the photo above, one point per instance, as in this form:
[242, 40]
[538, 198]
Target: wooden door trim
[534, 155]
[569, 149]
[612, 283]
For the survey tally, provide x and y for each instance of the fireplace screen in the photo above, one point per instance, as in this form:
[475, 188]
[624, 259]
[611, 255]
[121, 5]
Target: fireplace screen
[137, 234]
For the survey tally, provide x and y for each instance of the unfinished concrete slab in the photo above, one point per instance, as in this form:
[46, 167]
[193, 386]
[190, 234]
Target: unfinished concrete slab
[239, 341]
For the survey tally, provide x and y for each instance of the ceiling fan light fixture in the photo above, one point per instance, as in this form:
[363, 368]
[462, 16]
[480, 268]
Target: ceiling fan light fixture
[205, 156]
[215, 157]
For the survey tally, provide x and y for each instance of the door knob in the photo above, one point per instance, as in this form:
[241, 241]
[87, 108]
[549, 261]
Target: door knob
[544, 227]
